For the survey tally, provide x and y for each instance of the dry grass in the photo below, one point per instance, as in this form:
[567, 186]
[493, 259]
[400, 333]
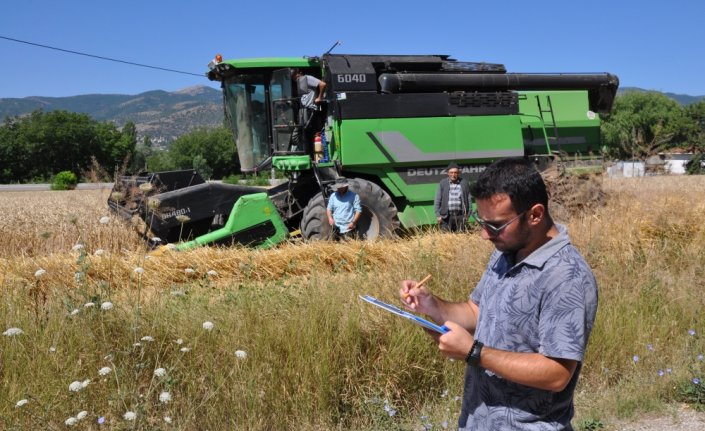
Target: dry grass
[295, 308]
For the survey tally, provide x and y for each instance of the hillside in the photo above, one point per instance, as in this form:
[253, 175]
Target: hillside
[162, 115]
[683, 99]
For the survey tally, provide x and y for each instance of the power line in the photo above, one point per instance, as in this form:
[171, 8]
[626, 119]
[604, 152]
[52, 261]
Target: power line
[100, 57]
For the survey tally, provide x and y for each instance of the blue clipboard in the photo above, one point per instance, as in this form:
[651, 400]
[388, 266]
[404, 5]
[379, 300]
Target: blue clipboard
[399, 312]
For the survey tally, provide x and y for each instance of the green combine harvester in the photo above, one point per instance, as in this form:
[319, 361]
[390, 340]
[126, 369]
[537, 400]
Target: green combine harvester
[393, 123]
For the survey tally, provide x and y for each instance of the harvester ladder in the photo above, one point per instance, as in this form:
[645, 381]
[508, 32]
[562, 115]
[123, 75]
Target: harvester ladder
[546, 115]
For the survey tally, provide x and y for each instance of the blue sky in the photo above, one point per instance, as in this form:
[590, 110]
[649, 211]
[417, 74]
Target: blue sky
[657, 45]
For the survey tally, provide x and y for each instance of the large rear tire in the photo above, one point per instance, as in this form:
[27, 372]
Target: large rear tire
[379, 214]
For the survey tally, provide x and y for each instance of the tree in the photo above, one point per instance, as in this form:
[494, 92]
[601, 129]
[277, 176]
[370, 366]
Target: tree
[215, 146]
[696, 132]
[643, 123]
[37, 146]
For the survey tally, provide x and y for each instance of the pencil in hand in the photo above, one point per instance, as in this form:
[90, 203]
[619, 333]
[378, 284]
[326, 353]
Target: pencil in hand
[419, 284]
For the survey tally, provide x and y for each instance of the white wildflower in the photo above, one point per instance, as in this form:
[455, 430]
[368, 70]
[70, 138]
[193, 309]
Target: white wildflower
[129, 416]
[99, 252]
[81, 415]
[185, 349]
[147, 338]
[107, 305]
[180, 341]
[155, 239]
[85, 383]
[139, 270]
[164, 397]
[137, 345]
[75, 386]
[212, 273]
[241, 354]
[89, 305]
[167, 419]
[40, 272]
[177, 293]
[183, 218]
[71, 421]
[74, 312]
[146, 187]
[160, 372]
[52, 349]
[20, 403]
[171, 246]
[208, 325]
[77, 247]
[104, 220]
[189, 271]
[78, 276]
[11, 332]
[105, 371]
[148, 257]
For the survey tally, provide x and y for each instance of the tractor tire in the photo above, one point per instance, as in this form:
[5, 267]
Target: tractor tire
[379, 214]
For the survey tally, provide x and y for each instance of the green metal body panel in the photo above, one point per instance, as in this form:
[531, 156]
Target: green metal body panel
[409, 155]
[249, 211]
[272, 62]
[576, 126]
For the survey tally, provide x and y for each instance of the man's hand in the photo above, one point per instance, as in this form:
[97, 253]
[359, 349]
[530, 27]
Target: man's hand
[351, 226]
[331, 221]
[439, 220]
[456, 343]
[417, 299]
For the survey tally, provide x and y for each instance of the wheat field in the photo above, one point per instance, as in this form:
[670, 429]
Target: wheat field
[106, 335]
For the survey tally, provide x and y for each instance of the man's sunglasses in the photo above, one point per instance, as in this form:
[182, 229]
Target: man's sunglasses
[492, 228]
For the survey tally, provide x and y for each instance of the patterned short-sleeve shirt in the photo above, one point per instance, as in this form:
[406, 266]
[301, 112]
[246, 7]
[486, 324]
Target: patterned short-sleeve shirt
[545, 304]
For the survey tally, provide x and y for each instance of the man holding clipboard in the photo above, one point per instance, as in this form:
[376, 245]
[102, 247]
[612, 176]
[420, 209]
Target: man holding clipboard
[524, 329]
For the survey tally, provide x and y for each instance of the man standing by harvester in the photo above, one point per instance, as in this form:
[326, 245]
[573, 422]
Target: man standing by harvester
[524, 329]
[312, 90]
[344, 209]
[452, 201]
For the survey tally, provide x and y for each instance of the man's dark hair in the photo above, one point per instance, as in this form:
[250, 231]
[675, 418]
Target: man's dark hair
[516, 177]
[452, 165]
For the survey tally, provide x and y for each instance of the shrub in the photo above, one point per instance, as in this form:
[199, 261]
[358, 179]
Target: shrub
[64, 180]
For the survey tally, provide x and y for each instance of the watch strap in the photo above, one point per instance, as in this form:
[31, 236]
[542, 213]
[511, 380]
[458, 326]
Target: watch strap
[473, 357]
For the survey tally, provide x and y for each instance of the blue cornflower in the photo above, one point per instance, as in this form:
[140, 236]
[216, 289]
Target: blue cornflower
[101, 420]
[691, 332]
[635, 358]
[696, 381]
[660, 373]
[669, 371]
[650, 347]
[699, 357]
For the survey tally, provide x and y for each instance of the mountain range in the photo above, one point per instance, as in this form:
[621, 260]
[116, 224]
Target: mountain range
[683, 99]
[162, 115]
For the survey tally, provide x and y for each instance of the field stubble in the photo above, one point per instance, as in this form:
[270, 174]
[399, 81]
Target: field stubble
[310, 355]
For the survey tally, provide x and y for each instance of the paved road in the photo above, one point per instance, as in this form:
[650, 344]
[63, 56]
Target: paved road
[41, 187]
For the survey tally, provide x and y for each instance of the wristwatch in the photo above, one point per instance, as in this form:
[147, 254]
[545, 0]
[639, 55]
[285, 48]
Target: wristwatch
[473, 357]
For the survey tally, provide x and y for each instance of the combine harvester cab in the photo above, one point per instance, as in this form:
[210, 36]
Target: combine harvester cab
[392, 125]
